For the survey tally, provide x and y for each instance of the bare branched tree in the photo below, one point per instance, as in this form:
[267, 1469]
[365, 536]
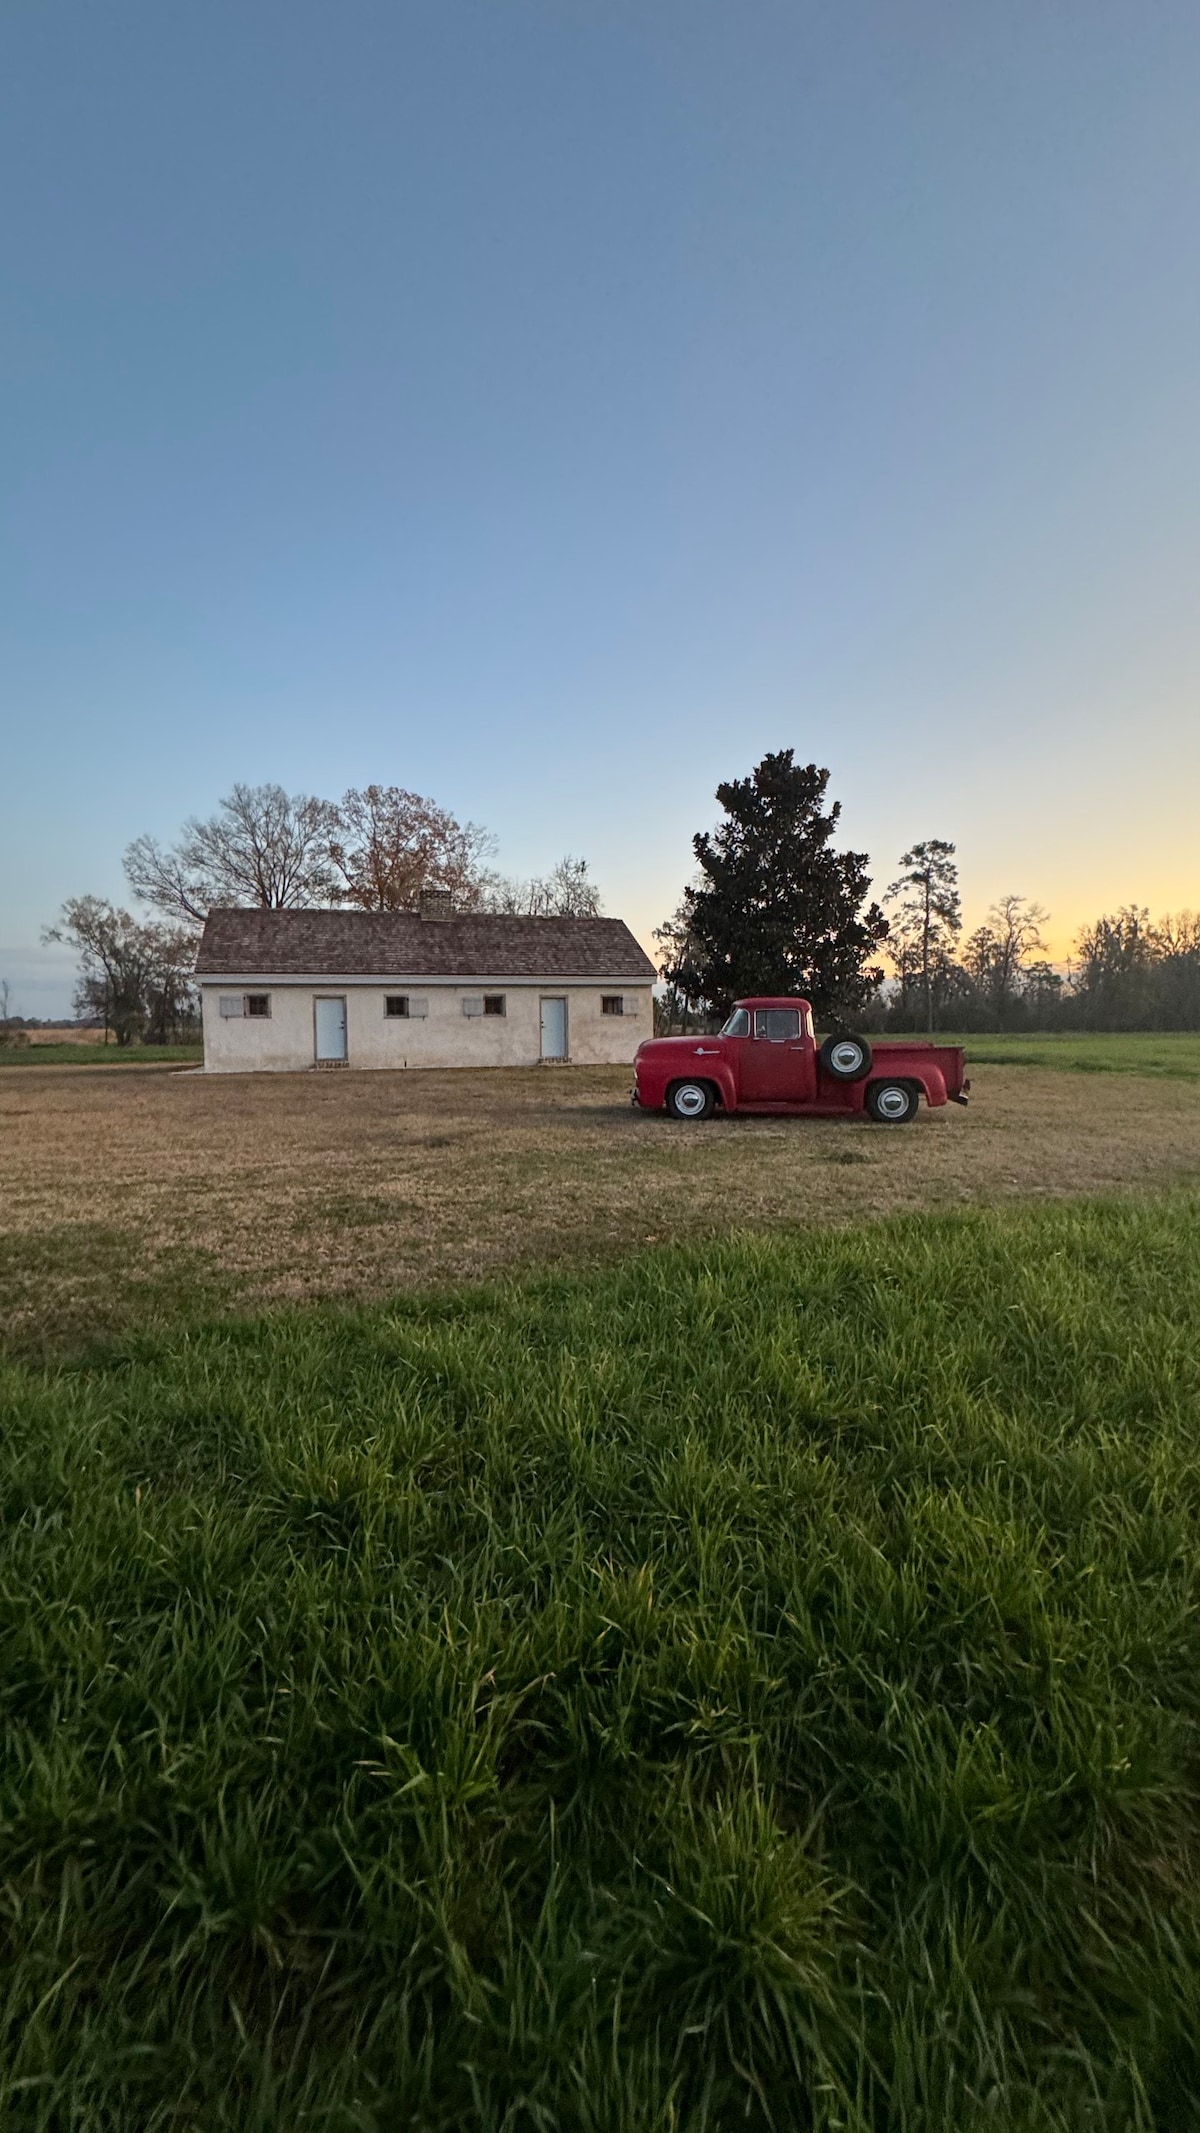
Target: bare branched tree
[138, 977]
[682, 1005]
[1115, 968]
[567, 891]
[263, 847]
[997, 953]
[387, 844]
[1177, 935]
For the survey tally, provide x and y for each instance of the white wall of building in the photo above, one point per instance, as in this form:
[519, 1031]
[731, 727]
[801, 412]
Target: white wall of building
[284, 1041]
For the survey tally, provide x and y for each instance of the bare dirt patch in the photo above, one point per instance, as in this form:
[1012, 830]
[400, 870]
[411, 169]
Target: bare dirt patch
[118, 1190]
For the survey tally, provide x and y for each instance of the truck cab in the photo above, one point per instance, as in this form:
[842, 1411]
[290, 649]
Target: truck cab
[767, 1058]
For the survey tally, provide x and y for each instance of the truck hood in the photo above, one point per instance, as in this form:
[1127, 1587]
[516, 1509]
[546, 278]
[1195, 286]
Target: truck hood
[678, 1047]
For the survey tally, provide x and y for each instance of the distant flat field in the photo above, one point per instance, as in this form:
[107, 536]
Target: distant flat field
[81, 1050]
[130, 1197]
[66, 1033]
[1175, 1053]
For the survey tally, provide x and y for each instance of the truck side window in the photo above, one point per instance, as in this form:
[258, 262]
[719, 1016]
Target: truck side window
[738, 1024]
[780, 1024]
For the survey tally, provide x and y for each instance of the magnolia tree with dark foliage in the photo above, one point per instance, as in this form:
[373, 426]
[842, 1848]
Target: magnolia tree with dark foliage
[775, 908]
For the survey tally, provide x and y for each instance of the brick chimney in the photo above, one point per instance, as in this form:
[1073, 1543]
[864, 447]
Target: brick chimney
[437, 903]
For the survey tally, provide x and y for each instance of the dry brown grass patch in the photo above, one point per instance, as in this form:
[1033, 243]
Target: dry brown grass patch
[352, 1185]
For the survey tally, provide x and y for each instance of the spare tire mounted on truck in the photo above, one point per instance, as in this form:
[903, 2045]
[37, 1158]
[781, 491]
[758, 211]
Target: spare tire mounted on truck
[845, 1058]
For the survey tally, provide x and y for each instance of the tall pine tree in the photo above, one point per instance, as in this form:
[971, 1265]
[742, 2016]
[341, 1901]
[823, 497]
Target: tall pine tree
[926, 922]
[776, 909]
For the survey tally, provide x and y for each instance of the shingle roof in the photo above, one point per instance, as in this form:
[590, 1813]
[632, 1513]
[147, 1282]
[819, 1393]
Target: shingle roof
[395, 944]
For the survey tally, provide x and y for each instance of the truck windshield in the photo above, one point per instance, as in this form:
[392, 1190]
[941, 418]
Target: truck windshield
[738, 1024]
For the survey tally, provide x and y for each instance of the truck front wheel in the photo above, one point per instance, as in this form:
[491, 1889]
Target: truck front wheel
[690, 1099]
[892, 1103]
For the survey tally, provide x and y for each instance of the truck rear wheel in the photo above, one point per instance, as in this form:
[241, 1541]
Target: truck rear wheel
[845, 1058]
[690, 1099]
[893, 1103]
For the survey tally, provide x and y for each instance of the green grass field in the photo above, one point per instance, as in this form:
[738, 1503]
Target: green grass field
[759, 1686]
[1175, 1054]
[100, 1054]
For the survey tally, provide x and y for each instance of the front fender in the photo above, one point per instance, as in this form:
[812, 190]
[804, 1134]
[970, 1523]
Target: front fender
[652, 1092]
[706, 1065]
[726, 1088]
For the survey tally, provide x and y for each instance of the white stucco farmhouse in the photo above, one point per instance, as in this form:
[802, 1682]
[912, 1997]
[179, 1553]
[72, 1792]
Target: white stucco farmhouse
[286, 990]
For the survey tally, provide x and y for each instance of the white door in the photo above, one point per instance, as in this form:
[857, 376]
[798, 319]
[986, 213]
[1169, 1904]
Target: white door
[331, 1029]
[554, 1029]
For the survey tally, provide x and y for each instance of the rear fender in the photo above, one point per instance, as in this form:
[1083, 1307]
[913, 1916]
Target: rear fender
[928, 1080]
[932, 1083]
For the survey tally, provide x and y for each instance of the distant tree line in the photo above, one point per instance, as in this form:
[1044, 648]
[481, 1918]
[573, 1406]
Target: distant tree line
[375, 849]
[774, 907]
[1125, 971]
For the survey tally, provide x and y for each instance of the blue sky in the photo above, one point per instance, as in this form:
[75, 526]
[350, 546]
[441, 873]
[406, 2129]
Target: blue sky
[554, 404]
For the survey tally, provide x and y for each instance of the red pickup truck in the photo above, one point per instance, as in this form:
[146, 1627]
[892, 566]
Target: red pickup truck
[767, 1059]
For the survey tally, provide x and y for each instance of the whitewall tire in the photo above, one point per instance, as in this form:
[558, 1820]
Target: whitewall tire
[690, 1099]
[846, 1058]
[893, 1103]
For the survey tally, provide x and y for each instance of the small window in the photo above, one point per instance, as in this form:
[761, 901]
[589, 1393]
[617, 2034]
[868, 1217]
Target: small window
[738, 1024]
[493, 1003]
[612, 1003]
[258, 1003]
[472, 1004]
[779, 1025]
[396, 1003]
[233, 1007]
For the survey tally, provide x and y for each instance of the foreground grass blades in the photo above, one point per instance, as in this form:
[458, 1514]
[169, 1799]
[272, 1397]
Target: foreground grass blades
[756, 1687]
